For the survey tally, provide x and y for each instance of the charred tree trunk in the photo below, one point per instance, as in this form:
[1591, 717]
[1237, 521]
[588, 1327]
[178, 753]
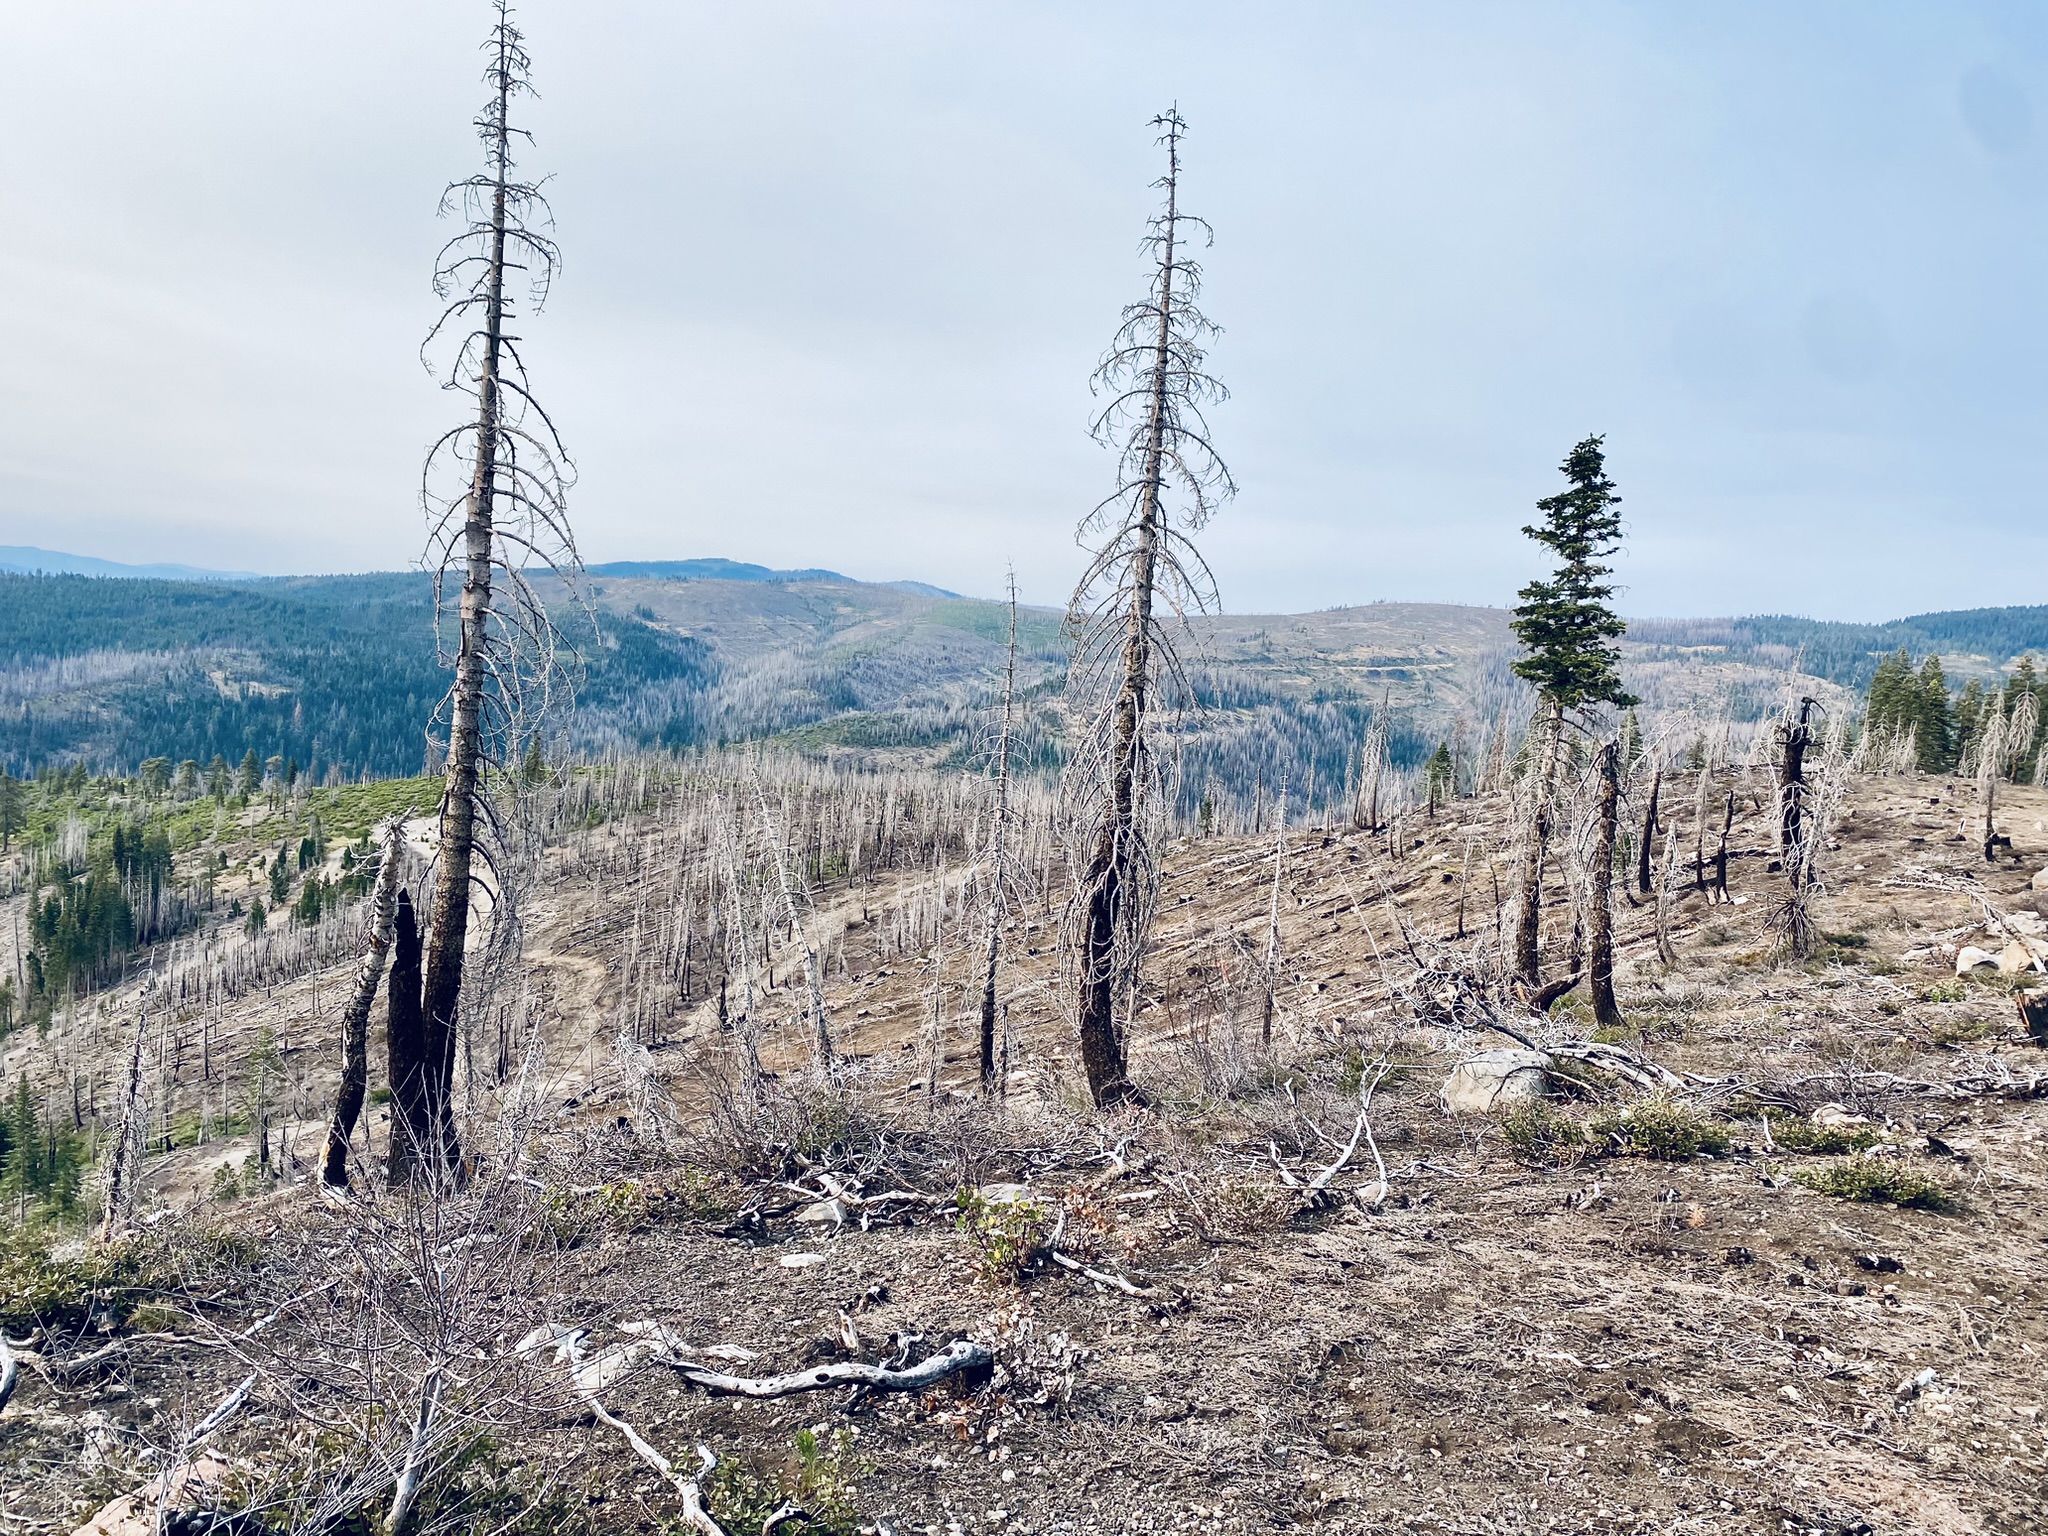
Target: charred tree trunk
[413, 1137]
[120, 1193]
[1111, 864]
[1792, 779]
[992, 919]
[355, 1017]
[1154, 375]
[441, 991]
[1646, 852]
[1600, 894]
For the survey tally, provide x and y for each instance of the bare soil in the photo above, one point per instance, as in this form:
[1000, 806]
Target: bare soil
[1602, 1343]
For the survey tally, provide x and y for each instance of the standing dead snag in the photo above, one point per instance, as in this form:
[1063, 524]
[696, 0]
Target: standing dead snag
[799, 926]
[1600, 892]
[1797, 734]
[509, 511]
[1155, 377]
[1569, 631]
[405, 1048]
[992, 918]
[355, 1017]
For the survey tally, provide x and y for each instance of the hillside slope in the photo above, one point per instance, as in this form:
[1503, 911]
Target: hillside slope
[1627, 1312]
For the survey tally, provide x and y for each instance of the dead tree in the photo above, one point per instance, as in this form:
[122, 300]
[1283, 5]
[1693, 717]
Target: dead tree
[1647, 848]
[1600, 892]
[509, 512]
[120, 1186]
[799, 925]
[355, 1017]
[2001, 751]
[405, 1048]
[1797, 734]
[999, 826]
[1271, 978]
[1372, 772]
[1155, 376]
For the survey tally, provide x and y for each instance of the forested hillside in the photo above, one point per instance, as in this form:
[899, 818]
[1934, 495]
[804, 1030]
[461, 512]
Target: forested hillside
[338, 673]
[332, 673]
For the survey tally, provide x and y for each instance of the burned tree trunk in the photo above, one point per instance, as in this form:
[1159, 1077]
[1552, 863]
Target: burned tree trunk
[1798, 736]
[1647, 849]
[992, 918]
[510, 509]
[355, 1017]
[406, 1046]
[1600, 893]
[1154, 374]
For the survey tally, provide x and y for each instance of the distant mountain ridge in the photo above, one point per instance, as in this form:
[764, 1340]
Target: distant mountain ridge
[27, 560]
[717, 569]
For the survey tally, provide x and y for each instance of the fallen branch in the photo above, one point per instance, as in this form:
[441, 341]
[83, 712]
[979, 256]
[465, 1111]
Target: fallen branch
[568, 1344]
[1101, 1277]
[956, 1358]
[10, 1373]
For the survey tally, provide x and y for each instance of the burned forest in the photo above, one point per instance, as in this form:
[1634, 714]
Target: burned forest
[808, 1055]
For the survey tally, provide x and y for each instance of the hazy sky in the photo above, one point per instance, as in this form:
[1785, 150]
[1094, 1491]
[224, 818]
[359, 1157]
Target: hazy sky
[837, 275]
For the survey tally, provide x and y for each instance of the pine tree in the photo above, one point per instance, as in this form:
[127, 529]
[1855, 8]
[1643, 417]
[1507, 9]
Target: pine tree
[13, 808]
[1933, 718]
[1568, 630]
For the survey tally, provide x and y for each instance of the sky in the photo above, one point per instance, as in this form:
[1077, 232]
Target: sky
[836, 277]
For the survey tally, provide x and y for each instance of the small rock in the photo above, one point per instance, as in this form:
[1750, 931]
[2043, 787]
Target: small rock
[1970, 957]
[2024, 954]
[1879, 1263]
[1790, 1393]
[1495, 1080]
[2040, 881]
[1837, 1117]
[830, 1213]
[1912, 1386]
[1003, 1194]
[800, 1260]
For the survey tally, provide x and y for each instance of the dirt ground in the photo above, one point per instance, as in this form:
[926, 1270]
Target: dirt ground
[1602, 1343]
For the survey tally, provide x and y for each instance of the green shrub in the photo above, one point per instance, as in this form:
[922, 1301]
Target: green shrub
[1796, 1133]
[818, 1475]
[1659, 1128]
[1951, 991]
[1881, 1180]
[1011, 1234]
[1963, 1031]
[1541, 1137]
[39, 1289]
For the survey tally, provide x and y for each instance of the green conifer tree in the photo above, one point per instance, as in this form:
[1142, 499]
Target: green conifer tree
[1568, 628]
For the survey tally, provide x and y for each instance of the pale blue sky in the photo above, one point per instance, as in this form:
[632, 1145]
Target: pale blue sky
[837, 275]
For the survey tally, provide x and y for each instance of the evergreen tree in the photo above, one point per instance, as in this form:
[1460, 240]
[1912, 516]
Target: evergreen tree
[1565, 623]
[1439, 774]
[1969, 718]
[1569, 630]
[249, 775]
[1933, 719]
[13, 808]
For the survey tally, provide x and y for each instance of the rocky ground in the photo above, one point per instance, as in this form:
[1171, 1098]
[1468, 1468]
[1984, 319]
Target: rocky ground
[1562, 1319]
